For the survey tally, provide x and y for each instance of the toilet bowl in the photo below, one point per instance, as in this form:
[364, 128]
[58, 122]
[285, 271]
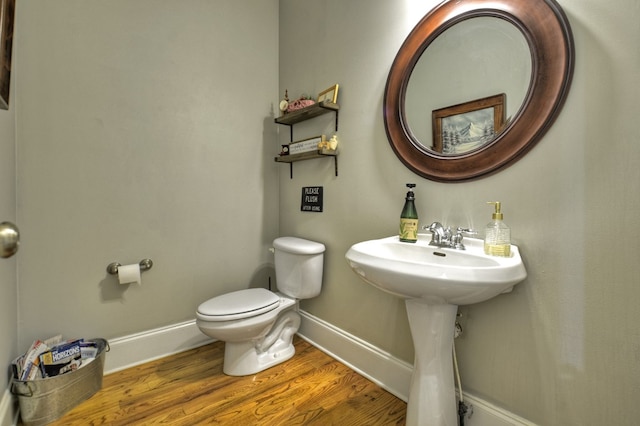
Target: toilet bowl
[257, 325]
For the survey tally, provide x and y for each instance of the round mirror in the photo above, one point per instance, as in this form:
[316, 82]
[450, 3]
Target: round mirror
[476, 84]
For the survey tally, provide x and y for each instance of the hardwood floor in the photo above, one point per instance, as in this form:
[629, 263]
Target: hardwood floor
[190, 389]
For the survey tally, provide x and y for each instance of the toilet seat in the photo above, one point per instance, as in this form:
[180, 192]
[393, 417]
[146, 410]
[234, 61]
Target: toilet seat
[238, 304]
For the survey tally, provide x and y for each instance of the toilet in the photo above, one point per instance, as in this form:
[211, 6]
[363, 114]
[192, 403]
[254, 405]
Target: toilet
[257, 325]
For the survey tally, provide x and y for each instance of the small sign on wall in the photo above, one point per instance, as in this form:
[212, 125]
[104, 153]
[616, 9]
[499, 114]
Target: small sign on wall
[311, 199]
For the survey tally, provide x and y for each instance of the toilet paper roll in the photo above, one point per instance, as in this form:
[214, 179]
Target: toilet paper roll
[129, 274]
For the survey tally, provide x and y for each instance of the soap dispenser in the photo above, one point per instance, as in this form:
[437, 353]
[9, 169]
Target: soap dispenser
[409, 218]
[497, 239]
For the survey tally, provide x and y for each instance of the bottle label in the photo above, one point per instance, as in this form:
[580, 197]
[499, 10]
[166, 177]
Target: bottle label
[408, 230]
[502, 250]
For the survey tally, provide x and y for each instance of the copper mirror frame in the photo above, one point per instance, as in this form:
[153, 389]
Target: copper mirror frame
[548, 34]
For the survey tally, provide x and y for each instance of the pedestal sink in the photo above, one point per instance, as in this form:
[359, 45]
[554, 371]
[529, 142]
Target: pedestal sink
[434, 281]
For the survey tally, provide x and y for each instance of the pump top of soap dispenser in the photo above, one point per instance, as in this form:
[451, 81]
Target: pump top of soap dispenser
[497, 215]
[410, 195]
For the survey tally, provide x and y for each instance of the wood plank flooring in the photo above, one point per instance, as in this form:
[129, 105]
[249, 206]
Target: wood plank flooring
[190, 389]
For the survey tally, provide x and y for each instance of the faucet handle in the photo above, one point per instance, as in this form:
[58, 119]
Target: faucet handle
[456, 240]
[467, 231]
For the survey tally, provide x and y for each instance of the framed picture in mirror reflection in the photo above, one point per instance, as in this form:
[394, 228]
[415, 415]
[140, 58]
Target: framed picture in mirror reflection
[467, 126]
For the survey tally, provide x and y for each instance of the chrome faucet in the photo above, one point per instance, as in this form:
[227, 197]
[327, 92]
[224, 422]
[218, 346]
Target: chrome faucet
[442, 237]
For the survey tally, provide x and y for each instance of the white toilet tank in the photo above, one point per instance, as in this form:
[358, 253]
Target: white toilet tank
[299, 266]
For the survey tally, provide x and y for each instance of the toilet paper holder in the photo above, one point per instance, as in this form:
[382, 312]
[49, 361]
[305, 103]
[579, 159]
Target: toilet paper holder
[145, 265]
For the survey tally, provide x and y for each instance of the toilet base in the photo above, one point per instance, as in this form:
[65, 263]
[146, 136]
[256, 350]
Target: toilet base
[243, 359]
[250, 357]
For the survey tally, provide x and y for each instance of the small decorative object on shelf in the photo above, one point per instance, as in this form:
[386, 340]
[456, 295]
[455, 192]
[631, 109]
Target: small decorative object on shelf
[284, 103]
[303, 102]
[305, 145]
[330, 94]
[333, 143]
[330, 145]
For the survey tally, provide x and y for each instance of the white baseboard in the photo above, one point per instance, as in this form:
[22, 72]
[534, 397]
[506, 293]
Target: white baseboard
[483, 413]
[8, 409]
[136, 349]
[382, 368]
[389, 372]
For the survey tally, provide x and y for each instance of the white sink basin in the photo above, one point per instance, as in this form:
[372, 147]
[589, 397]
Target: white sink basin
[438, 275]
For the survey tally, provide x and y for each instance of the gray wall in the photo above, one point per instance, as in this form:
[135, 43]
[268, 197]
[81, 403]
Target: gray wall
[562, 349]
[144, 131]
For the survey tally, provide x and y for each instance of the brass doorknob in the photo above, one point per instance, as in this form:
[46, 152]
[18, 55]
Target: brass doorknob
[9, 239]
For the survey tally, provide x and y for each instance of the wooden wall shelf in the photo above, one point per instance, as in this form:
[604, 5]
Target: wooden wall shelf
[320, 108]
[292, 158]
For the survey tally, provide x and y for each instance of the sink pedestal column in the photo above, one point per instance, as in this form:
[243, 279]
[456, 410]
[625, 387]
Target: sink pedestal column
[432, 400]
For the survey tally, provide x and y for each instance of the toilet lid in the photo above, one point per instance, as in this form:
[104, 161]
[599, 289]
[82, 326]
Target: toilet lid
[239, 304]
[298, 245]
